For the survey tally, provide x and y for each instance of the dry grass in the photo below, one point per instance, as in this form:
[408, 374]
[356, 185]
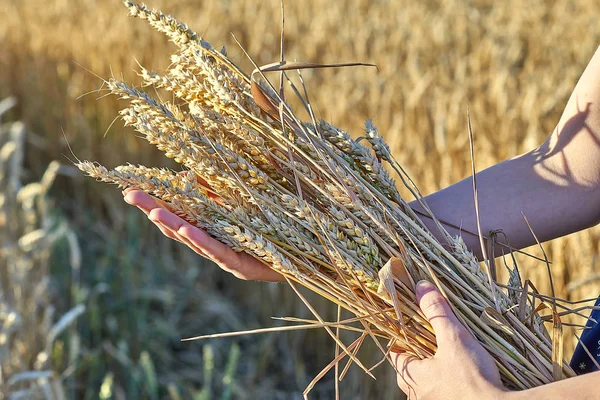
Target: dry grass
[513, 64]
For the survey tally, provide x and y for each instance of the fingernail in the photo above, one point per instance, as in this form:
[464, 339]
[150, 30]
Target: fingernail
[421, 288]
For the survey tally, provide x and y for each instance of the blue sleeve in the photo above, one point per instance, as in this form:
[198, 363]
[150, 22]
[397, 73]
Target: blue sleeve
[590, 338]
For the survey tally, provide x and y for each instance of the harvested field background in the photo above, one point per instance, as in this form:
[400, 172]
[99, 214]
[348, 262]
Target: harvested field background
[512, 63]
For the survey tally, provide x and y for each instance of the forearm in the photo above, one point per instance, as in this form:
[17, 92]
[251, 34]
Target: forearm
[583, 387]
[506, 192]
[556, 186]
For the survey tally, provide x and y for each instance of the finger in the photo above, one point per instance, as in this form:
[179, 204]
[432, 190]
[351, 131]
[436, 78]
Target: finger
[191, 245]
[217, 251]
[165, 231]
[438, 312]
[255, 270]
[241, 265]
[171, 223]
[197, 239]
[147, 203]
[176, 236]
[406, 368]
[144, 201]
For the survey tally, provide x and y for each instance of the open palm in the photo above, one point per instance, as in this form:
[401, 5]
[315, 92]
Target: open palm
[241, 265]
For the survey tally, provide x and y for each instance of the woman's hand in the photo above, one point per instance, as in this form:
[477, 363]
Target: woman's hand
[241, 265]
[461, 368]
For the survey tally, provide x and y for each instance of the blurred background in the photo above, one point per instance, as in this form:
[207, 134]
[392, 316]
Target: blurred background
[94, 301]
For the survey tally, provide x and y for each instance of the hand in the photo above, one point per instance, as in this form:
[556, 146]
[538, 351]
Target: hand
[241, 265]
[461, 368]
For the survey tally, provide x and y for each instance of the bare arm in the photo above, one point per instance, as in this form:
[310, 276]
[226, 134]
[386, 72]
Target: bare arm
[582, 388]
[557, 185]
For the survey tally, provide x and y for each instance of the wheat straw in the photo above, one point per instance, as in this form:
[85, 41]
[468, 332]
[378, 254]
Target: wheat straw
[317, 206]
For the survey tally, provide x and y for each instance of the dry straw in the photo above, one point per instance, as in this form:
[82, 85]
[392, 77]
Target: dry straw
[319, 208]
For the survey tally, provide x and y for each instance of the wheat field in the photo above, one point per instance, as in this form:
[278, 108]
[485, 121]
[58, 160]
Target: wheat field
[513, 64]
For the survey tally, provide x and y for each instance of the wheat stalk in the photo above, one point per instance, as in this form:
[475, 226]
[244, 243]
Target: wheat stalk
[317, 206]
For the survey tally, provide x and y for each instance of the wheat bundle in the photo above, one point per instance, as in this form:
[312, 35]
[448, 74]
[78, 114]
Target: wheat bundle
[319, 208]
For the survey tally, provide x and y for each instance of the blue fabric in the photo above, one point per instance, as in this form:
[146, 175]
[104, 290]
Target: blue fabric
[581, 362]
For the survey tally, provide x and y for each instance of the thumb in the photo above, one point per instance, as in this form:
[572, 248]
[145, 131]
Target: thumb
[436, 309]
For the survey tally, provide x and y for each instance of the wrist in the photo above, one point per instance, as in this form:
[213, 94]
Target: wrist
[505, 394]
[489, 391]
